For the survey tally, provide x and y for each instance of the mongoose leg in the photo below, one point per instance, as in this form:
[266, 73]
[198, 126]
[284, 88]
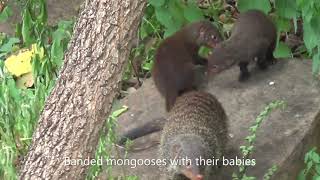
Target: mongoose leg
[244, 72]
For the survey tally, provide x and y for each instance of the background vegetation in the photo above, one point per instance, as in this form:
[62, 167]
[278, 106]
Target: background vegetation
[30, 61]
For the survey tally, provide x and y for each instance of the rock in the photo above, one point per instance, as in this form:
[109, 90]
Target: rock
[284, 137]
[131, 90]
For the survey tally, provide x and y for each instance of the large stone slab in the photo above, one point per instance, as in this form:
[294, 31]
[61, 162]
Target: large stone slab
[283, 138]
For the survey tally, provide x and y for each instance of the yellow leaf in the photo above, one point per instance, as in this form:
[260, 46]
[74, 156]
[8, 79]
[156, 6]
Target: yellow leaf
[18, 64]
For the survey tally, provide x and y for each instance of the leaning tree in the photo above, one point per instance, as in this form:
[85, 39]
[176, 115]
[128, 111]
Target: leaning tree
[89, 80]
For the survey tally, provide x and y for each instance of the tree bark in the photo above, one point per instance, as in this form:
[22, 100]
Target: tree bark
[89, 80]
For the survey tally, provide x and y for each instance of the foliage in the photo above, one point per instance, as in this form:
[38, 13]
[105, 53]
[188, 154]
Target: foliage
[172, 14]
[106, 141]
[248, 149]
[7, 45]
[311, 26]
[312, 162]
[5, 14]
[150, 34]
[20, 108]
[263, 5]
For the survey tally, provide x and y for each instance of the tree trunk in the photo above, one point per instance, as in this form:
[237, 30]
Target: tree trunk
[90, 78]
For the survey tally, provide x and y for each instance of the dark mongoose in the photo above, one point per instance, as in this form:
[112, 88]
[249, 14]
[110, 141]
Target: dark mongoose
[175, 70]
[196, 127]
[149, 127]
[253, 38]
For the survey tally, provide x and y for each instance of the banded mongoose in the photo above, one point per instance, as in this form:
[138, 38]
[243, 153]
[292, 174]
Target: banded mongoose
[175, 70]
[253, 37]
[197, 126]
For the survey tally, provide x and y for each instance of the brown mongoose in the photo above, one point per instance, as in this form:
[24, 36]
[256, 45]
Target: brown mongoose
[253, 37]
[196, 127]
[174, 70]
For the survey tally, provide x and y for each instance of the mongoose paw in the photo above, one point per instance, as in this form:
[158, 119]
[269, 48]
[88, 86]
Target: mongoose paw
[263, 65]
[273, 61]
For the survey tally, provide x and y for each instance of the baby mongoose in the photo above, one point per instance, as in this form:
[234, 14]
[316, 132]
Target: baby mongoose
[253, 37]
[196, 127]
[175, 68]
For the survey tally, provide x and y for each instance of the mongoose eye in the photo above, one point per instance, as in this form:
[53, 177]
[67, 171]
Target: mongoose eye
[213, 37]
[188, 164]
[214, 66]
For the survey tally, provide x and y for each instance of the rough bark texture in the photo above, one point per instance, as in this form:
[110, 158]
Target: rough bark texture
[89, 80]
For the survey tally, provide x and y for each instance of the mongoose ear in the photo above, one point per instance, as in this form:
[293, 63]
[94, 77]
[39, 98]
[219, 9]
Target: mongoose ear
[202, 30]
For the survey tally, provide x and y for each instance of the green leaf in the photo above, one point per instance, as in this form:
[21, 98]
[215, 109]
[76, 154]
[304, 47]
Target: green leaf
[300, 2]
[318, 169]
[5, 14]
[164, 17]
[176, 10]
[118, 112]
[204, 51]
[193, 13]
[315, 157]
[286, 8]
[282, 51]
[263, 5]
[2, 55]
[315, 24]
[26, 27]
[170, 31]
[309, 166]
[58, 35]
[157, 3]
[309, 37]
[316, 177]
[7, 47]
[65, 25]
[143, 31]
[56, 53]
[147, 66]
[283, 24]
[14, 92]
[43, 16]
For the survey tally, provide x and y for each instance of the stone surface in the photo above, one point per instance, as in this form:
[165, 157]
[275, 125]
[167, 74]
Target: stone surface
[284, 137]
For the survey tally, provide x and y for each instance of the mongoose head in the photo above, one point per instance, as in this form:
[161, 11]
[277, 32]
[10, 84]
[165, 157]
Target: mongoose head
[203, 33]
[190, 147]
[220, 59]
[208, 35]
